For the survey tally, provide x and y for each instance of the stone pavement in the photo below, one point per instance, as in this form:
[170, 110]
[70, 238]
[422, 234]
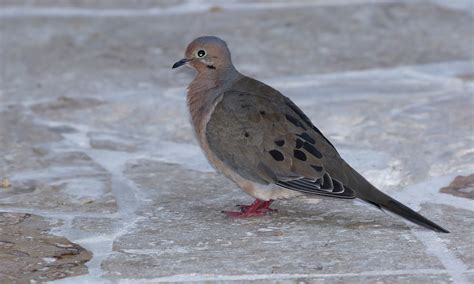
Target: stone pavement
[101, 179]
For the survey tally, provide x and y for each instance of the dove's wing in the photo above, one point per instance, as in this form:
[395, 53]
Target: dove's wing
[265, 138]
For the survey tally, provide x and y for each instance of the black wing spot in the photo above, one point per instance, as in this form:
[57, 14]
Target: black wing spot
[298, 111]
[306, 137]
[310, 148]
[317, 168]
[211, 66]
[262, 112]
[244, 106]
[300, 155]
[280, 142]
[299, 143]
[246, 134]
[294, 121]
[277, 155]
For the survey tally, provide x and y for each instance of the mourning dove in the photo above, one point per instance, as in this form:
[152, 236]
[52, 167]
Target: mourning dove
[263, 142]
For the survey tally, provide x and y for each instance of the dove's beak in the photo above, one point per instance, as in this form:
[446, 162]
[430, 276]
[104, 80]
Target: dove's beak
[180, 63]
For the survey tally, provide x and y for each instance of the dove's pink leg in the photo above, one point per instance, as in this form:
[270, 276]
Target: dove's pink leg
[257, 208]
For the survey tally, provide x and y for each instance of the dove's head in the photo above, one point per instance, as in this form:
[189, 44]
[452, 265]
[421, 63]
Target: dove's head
[207, 54]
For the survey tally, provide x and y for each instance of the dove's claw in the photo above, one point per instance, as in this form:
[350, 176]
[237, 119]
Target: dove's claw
[257, 208]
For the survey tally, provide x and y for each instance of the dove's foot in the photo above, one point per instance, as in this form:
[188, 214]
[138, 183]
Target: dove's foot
[257, 208]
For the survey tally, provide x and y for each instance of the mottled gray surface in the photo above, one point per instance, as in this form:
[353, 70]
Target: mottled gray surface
[94, 134]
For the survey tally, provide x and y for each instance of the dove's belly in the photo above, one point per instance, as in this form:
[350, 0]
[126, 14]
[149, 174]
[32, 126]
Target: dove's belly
[257, 190]
[267, 192]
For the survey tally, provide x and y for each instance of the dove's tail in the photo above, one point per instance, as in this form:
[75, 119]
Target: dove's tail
[401, 210]
[369, 193]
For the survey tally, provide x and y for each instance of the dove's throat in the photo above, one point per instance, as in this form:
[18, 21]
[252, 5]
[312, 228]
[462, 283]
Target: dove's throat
[203, 93]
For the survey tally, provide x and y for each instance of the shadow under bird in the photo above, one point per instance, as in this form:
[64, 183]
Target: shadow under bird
[263, 142]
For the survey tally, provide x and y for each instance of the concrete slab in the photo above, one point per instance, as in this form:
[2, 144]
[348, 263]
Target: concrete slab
[94, 135]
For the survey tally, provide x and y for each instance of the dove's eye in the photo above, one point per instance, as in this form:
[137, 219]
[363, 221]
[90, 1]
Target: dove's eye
[201, 53]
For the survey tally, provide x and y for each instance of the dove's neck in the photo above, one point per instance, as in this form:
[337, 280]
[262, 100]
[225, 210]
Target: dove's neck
[203, 91]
